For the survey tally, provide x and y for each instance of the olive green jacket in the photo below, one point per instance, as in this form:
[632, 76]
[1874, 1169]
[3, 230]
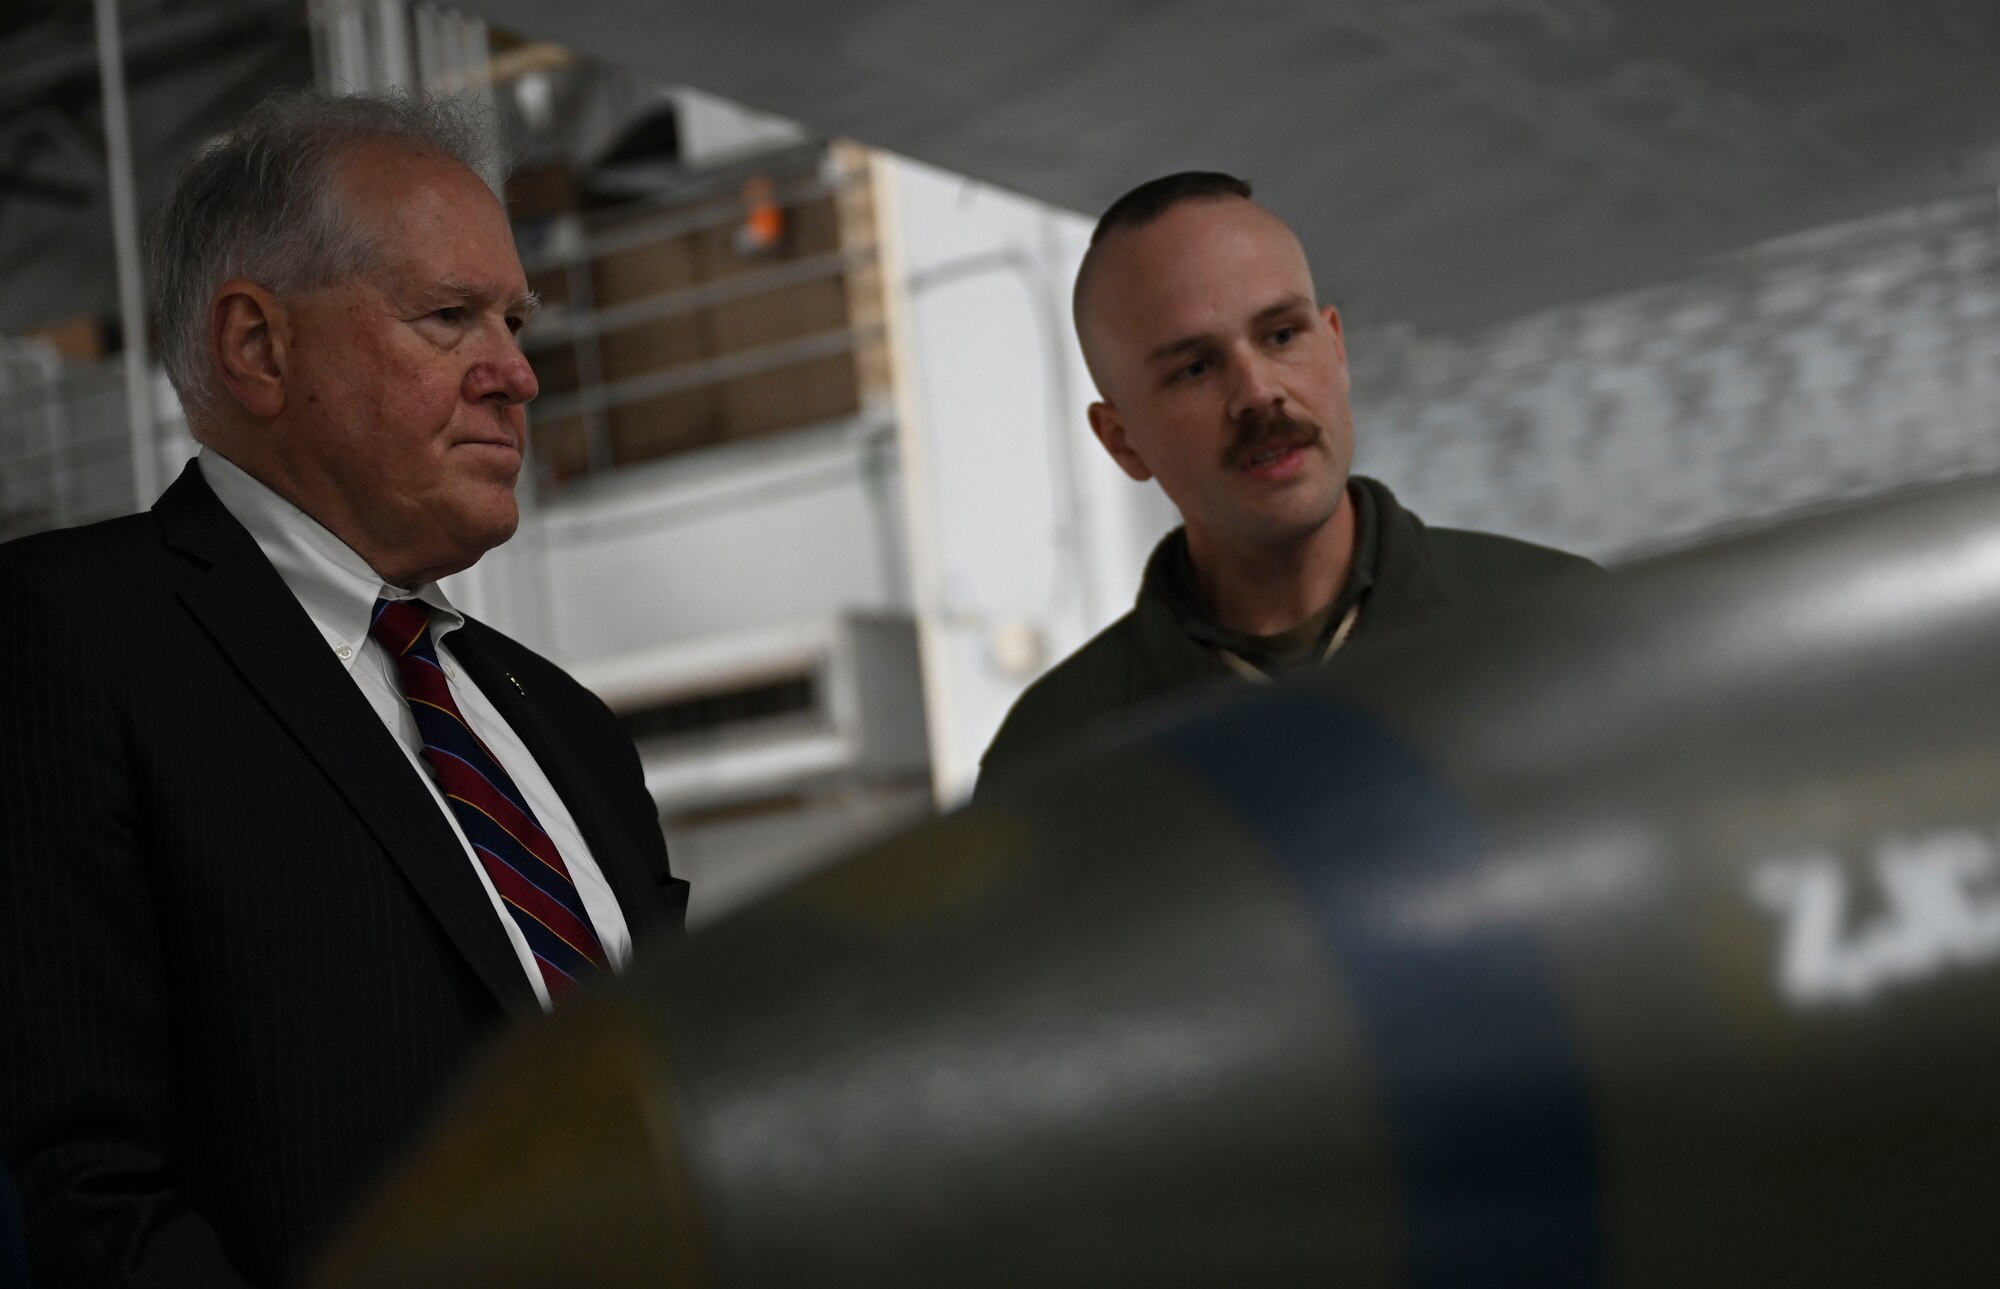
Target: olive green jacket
[1417, 573]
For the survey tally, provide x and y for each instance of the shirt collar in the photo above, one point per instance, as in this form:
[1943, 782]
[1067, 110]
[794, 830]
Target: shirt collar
[333, 584]
[1193, 617]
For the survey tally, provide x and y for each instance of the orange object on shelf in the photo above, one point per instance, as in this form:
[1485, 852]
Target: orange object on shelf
[763, 218]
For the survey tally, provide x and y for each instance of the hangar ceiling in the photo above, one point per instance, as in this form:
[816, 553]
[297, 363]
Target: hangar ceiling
[1453, 162]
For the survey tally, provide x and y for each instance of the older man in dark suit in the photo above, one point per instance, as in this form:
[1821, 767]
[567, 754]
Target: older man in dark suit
[284, 837]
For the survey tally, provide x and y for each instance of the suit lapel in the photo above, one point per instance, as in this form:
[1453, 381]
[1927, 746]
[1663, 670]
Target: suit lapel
[255, 621]
[624, 869]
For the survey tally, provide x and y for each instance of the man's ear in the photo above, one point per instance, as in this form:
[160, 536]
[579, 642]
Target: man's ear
[246, 336]
[1109, 428]
[1332, 316]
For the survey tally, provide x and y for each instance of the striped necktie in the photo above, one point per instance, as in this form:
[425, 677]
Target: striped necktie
[518, 856]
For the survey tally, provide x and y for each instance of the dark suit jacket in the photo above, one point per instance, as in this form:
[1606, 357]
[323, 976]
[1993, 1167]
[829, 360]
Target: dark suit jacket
[242, 955]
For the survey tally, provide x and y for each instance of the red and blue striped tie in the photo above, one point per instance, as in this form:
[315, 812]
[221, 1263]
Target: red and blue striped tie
[526, 870]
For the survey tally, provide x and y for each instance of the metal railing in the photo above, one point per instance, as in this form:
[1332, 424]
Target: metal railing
[583, 399]
[65, 441]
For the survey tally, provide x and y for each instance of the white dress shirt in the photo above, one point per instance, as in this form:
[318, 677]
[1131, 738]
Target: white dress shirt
[338, 590]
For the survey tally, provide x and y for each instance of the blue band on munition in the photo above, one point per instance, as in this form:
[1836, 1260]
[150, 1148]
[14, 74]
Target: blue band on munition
[1488, 1114]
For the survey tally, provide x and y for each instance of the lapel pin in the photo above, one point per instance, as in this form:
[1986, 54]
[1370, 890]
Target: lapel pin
[517, 685]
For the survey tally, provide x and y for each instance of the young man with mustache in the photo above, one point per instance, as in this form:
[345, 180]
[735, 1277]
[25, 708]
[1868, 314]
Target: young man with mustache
[1223, 377]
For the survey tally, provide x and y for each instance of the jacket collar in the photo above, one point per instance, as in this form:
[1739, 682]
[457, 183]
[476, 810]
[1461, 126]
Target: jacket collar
[335, 586]
[1177, 640]
[1407, 589]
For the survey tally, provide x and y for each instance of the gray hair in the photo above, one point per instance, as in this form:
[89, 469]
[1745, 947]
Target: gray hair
[259, 203]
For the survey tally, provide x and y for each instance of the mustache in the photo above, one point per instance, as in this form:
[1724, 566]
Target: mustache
[1260, 432]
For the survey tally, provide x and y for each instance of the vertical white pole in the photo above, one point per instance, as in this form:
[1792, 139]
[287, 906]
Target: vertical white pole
[950, 779]
[394, 69]
[125, 238]
[429, 56]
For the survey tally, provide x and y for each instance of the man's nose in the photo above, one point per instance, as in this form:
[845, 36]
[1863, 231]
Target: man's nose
[1253, 388]
[503, 375]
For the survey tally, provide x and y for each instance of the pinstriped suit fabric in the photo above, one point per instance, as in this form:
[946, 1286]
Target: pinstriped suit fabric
[241, 954]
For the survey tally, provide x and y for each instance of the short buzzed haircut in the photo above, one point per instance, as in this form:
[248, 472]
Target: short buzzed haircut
[1156, 197]
[259, 203]
[1136, 209]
